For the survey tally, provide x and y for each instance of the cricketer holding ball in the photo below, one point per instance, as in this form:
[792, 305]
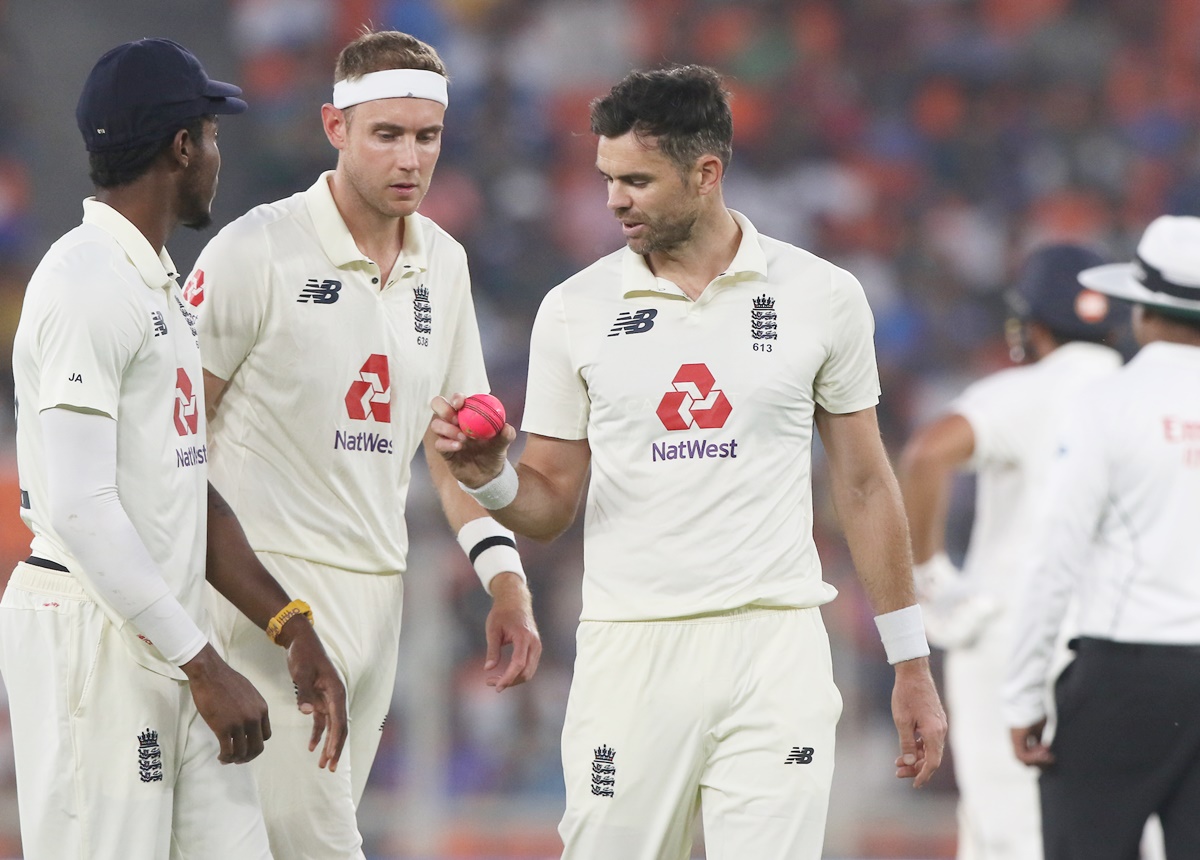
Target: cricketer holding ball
[703, 682]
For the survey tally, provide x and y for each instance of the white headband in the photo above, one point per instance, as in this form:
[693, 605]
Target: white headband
[391, 84]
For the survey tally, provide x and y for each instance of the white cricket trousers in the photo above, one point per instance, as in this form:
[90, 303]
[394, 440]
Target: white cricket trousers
[113, 761]
[310, 812]
[731, 714]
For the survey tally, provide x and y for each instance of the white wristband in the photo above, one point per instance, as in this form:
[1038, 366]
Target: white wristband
[491, 548]
[497, 493]
[903, 634]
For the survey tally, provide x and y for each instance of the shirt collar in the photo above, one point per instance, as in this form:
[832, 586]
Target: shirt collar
[156, 269]
[335, 238]
[749, 264]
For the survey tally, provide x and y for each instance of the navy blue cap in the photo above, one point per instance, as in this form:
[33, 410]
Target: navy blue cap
[1048, 291]
[143, 91]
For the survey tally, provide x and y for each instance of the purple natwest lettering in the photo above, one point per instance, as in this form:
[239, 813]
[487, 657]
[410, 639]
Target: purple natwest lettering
[362, 441]
[693, 449]
[193, 455]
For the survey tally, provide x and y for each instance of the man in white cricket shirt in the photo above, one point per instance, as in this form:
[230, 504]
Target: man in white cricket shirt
[328, 321]
[1003, 428]
[687, 372]
[104, 639]
[1123, 506]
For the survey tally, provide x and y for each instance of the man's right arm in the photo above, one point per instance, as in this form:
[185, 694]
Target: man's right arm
[927, 467]
[551, 472]
[85, 510]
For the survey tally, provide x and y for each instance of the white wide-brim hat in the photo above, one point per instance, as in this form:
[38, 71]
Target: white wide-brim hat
[1166, 273]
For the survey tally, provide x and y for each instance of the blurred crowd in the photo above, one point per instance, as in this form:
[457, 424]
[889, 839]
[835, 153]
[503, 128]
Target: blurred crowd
[925, 145]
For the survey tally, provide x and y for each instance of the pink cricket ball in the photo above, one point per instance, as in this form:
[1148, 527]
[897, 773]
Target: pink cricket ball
[481, 416]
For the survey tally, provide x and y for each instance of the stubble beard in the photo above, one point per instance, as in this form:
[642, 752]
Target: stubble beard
[664, 236]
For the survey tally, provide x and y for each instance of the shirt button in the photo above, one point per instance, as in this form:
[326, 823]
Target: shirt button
[374, 280]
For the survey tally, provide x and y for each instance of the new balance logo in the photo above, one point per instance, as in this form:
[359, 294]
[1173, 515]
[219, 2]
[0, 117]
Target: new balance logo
[160, 324]
[604, 772]
[323, 293]
[634, 323]
[800, 755]
[150, 767]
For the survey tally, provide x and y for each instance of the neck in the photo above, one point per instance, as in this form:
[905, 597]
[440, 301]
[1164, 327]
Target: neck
[380, 237]
[148, 204]
[707, 253]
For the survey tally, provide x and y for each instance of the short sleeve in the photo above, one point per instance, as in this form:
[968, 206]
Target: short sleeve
[465, 371]
[87, 334]
[996, 419]
[849, 379]
[556, 401]
[229, 287]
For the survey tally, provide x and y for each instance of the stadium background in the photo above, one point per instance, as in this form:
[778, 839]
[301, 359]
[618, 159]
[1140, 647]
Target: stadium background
[925, 145]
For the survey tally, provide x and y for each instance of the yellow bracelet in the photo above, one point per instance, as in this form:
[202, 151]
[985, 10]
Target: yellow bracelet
[283, 616]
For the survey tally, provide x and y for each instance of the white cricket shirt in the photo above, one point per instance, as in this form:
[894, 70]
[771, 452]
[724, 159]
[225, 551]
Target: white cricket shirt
[329, 374]
[699, 417]
[1015, 416]
[1121, 527]
[104, 328]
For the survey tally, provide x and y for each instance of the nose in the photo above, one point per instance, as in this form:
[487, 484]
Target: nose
[406, 153]
[618, 197]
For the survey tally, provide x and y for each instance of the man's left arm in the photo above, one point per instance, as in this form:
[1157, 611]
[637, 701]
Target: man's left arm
[234, 570]
[510, 622]
[868, 502]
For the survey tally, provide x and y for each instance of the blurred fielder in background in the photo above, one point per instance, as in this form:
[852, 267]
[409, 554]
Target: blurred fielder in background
[104, 639]
[1123, 506]
[328, 321]
[687, 372]
[1002, 428]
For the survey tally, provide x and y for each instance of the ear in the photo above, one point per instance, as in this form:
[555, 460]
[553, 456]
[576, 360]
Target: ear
[336, 125]
[182, 148]
[708, 173]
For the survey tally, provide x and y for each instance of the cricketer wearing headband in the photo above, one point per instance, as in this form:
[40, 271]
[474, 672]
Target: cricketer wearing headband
[327, 322]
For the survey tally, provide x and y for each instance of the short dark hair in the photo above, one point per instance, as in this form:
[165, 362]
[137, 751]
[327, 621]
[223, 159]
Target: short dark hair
[684, 108]
[381, 50]
[123, 166]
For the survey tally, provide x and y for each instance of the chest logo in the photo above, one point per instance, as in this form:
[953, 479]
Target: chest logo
[634, 323]
[763, 323]
[187, 416]
[371, 396]
[695, 401]
[422, 313]
[320, 292]
[193, 290]
[160, 324]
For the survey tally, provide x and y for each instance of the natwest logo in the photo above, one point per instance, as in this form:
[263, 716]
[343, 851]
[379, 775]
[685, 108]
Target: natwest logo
[193, 290]
[371, 395]
[187, 419]
[695, 402]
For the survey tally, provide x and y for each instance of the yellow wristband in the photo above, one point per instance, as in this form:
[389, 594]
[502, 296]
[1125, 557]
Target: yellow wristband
[283, 616]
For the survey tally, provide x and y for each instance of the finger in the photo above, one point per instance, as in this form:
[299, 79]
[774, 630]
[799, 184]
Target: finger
[337, 728]
[237, 740]
[444, 408]
[318, 729]
[535, 657]
[493, 634]
[516, 665]
[266, 724]
[254, 741]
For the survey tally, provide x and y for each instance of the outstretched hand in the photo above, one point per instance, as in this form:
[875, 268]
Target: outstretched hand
[474, 462]
[319, 689]
[511, 623]
[920, 721]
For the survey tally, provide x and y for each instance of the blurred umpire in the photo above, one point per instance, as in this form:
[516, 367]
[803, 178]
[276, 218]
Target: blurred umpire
[1002, 428]
[1124, 504]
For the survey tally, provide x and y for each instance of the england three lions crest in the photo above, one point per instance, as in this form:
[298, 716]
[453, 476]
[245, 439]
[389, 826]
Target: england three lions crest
[763, 322]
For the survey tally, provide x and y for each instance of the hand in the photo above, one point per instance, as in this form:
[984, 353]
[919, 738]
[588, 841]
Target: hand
[511, 623]
[920, 721]
[1028, 746]
[474, 462]
[319, 688]
[233, 709]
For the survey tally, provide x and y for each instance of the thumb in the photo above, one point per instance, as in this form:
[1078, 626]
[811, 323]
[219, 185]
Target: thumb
[908, 746]
[305, 694]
